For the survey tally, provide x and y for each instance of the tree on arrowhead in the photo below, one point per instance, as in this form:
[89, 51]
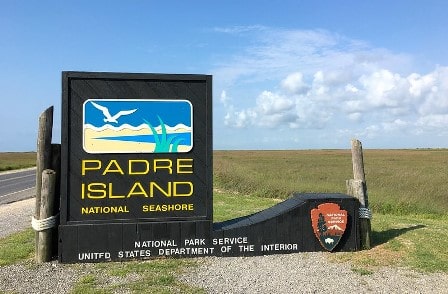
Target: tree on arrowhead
[321, 224]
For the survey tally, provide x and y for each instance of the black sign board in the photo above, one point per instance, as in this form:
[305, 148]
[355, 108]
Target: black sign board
[136, 149]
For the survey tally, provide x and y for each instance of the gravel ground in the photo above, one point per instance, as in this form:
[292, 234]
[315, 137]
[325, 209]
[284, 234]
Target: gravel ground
[16, 216]
[290, 273]
[29, 277]
[306, 273]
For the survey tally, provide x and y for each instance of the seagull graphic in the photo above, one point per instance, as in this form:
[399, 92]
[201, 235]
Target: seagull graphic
[110, 118]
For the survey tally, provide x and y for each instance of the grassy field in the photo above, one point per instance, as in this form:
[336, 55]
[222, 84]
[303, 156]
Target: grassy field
[408, 192]
[398, 181]
[16, 160]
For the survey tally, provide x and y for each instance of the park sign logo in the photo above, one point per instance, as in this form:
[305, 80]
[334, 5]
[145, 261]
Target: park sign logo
[329, 223]
[137, 126]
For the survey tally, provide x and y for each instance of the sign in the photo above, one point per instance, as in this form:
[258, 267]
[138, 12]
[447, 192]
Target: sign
[136, 179]
[136, 146]
[329, 223]
[136, 150]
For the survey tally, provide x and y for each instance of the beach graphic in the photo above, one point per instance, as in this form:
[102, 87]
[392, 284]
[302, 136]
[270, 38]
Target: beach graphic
[137, 126]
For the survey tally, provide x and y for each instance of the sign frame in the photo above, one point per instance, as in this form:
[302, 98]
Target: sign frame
[197, 89]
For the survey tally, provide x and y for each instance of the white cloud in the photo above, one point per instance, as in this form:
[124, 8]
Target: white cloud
[224, 99]
[271, 110]
[433, 120]
[433, 88]
[239, 29]
[380, 87]
[349, 88]
[419, 84]
[316, 79]
[355, 116]
[382, 92]
[269, 103]
[294, 83]
[397, 124]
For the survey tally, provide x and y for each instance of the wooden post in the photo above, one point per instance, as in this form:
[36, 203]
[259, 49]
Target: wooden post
[43, 156]
[44, 244]
[358, 189]
[358, 161]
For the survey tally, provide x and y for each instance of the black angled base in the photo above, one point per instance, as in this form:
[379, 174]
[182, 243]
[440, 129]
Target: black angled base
[283, 228]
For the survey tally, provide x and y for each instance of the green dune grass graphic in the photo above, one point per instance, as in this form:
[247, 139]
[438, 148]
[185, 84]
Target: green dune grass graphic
[163, 143]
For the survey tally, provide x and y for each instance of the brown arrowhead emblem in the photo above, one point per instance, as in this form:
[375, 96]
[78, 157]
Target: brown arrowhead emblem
[329, 222]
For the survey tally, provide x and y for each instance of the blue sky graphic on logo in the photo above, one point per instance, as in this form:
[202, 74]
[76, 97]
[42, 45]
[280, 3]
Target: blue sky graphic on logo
[137, 126]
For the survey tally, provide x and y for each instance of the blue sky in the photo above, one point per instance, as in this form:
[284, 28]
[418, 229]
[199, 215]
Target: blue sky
[286, 74]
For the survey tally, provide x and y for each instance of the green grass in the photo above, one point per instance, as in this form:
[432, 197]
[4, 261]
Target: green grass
[152, 276]
[398, 181]
[228, 205]
[88, 284]
[16, 160]
[415, 241]
[361, 271]
[17, 247]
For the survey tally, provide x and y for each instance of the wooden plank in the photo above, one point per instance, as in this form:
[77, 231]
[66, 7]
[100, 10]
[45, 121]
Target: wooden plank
[358, 161]
[44, 238]
[358, 189]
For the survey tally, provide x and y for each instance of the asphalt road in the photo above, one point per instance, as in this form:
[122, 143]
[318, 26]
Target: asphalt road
[17, 185]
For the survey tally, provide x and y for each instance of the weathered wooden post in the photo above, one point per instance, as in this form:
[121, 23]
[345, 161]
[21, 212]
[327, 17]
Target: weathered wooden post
[43, 160]
[357, 187]
[44, 226]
